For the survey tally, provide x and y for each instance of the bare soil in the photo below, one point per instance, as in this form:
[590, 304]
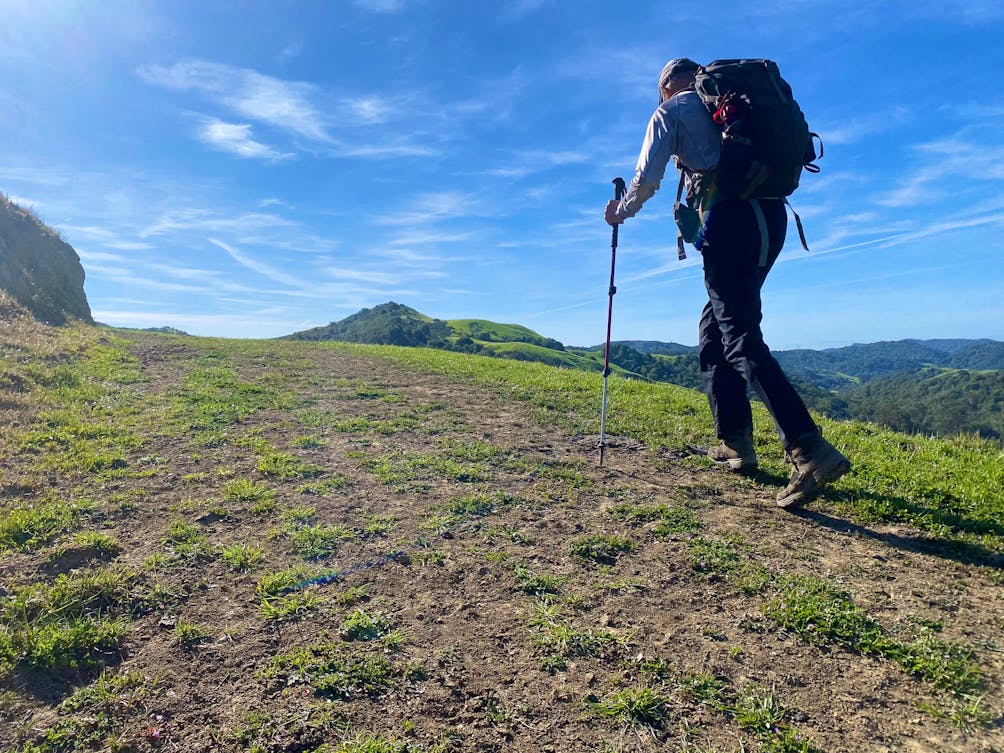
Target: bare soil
[468, 673]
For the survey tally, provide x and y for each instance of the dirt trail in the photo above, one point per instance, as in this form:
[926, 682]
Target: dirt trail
[471, 668]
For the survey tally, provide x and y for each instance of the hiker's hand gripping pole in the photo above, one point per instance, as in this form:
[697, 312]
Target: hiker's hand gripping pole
[619, 189]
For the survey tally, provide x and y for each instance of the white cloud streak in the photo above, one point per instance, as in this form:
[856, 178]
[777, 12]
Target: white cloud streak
[261, 268]
[380, 6]
[285, 105]
[235, 138]
[433, 207]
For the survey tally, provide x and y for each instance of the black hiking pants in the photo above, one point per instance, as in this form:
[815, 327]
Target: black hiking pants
[732, 352]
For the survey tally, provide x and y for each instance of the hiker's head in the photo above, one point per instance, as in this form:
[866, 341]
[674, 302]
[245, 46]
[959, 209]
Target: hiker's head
[677, 75]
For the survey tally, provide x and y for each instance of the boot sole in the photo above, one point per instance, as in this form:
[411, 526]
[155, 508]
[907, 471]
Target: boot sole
[820, 479]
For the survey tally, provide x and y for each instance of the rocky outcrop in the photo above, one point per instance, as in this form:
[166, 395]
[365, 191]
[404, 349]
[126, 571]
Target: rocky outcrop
[38, 269]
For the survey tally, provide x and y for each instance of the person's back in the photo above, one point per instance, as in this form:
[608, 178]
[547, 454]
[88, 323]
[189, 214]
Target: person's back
[681, 127]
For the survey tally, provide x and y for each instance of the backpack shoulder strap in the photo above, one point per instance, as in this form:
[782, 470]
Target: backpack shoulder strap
[681, 252]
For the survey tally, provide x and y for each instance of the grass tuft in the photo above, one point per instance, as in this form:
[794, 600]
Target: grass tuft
[603, 549]
[641, 707]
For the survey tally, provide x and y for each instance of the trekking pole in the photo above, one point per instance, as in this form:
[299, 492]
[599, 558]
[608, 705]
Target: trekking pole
[618, 193]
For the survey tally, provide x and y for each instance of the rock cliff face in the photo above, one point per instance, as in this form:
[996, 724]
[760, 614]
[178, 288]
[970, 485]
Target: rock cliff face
[38, 269]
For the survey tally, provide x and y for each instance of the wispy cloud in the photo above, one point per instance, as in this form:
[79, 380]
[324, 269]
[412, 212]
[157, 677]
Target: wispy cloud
[425, 237]
[381, 6]
[937, 161]
[289, 106]
[106, 237]
[432, 207]
[856, 129]
[528, 162]
[235, 138]
[36, 176]
[368, 109]
[285, 105]
[929, 230]
[206, 221]
[273, 274]
[518, 9]
[389, 150]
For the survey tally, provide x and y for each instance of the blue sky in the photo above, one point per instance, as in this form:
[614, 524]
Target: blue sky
[250, 169]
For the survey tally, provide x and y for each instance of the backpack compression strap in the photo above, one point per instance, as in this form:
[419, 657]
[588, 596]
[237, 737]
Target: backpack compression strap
[798, 224]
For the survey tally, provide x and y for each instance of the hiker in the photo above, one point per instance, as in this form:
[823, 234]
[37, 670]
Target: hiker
[731, 347]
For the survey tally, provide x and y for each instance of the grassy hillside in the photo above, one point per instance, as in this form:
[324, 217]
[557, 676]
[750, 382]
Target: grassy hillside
[277, 546]
[522, 351]
[486, 331]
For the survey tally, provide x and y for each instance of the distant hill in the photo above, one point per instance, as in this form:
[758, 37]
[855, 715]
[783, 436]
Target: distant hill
[838, 368]
[165, 331]
[984, 354]
[395, 324]
[933, 400]
[654, 347]
[386, 324]
[922, 386]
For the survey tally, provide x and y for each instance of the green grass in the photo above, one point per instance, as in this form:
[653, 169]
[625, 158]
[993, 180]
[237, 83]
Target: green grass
[602, 548]
[634, 707]
[707, 689]
[316, 541]
[188, 635]
[296, 605]
[85, 425]
[76, 621]
[556, 634]
[759, 710]
[325, 487]
[29, 526]
[407, 471]
[824, 614]
[288, 579]
[71, 441]
[332, 671]
[676, 523]
[247, 492]
[536, 584]
[92, 437]
[308, 721]
[367, 743]
[361, 625]
[214, 398]
[283, 465]
[460, 509]
[241, 557]
[187, 540]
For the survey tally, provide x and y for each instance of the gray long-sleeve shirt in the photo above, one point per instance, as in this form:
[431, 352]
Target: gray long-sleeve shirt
[681, 127]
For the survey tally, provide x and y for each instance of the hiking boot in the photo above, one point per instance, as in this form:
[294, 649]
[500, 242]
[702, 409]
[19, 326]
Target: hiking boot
[737, 453]
[816, 463]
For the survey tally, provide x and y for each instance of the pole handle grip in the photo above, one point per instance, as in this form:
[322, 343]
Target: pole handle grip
[619, 188]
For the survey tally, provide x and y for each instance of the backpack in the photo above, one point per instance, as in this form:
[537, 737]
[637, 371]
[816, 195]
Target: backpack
[766, 142]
